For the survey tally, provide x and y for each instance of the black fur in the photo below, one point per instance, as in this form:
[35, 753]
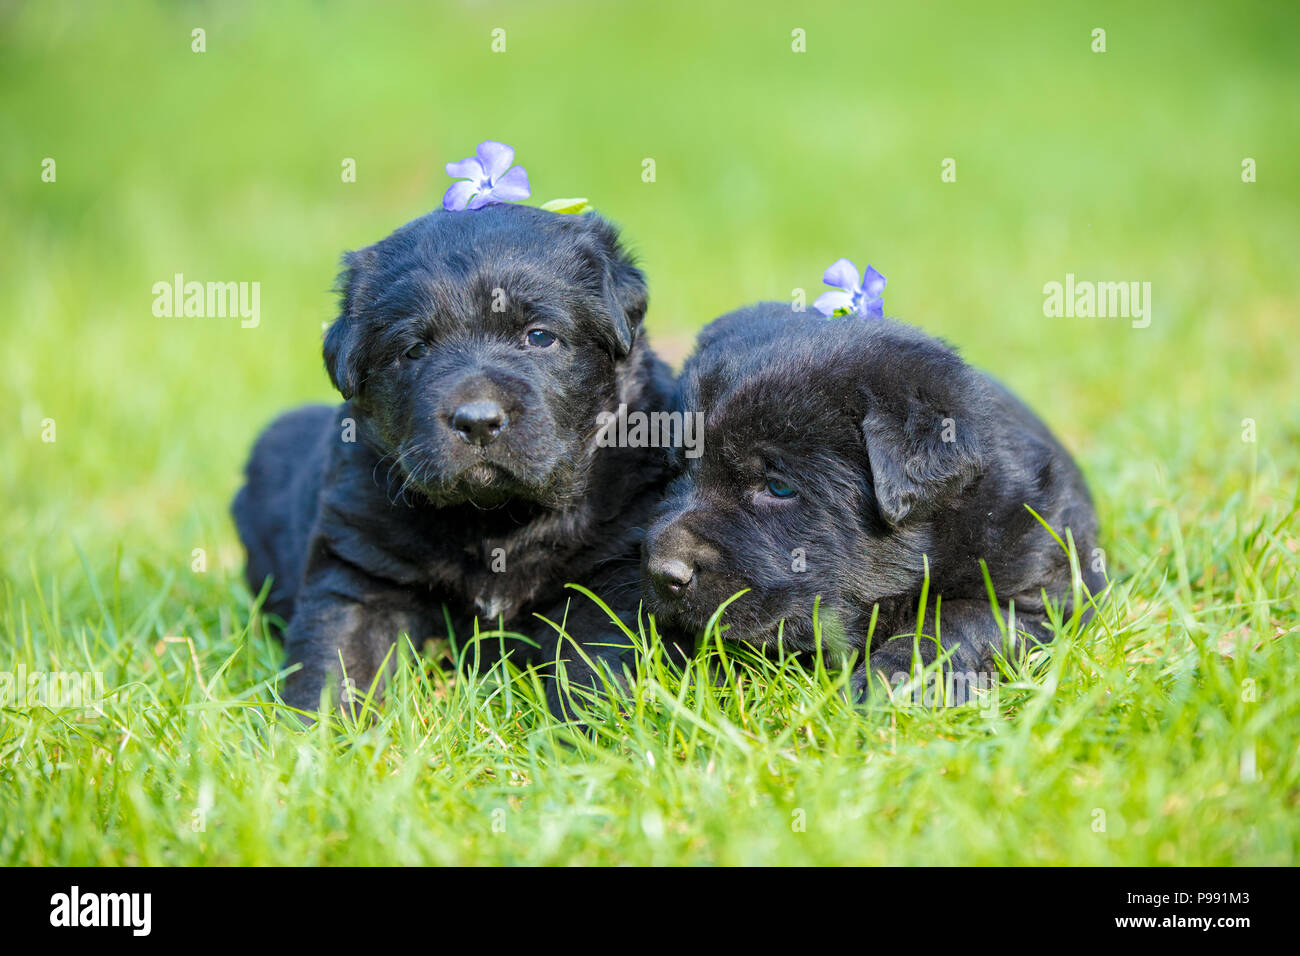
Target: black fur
[479, 451]
[898, 452]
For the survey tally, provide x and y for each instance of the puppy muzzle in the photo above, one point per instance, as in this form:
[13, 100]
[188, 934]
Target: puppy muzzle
[675, 558]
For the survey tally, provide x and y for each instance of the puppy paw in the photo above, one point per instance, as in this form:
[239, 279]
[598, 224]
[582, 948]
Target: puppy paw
[569, 699]
[891, 668]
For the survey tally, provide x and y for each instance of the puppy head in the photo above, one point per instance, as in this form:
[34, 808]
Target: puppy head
[479, 347]
[829, 448]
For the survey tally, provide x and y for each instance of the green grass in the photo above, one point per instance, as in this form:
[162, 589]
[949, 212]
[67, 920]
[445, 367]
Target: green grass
[1174, 714]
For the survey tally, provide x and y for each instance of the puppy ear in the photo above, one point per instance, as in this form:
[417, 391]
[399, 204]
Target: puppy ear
[623, 286]
[922, 447]
[343, 359]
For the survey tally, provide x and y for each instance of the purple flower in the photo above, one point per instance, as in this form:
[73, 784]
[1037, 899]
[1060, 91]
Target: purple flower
[486, 177]
[851, 296]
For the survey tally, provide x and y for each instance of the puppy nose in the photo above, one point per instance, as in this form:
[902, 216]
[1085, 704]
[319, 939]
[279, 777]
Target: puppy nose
[671, 575]
[479, 423]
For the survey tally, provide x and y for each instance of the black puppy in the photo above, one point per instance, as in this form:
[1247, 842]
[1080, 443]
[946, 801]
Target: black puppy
[462, 477]
[838, 456]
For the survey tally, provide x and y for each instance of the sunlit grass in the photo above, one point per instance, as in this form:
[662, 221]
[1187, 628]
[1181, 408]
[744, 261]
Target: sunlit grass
[1169, 721]
[1163, 732]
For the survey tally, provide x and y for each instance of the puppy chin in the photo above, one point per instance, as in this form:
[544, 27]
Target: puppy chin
[490, 484]
[693, 612]
[483, 485]
[756, 617]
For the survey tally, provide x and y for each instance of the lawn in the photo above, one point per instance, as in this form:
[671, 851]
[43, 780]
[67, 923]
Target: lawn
[1163, 733]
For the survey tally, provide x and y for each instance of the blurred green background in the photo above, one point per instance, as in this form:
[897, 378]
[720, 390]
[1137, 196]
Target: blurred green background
[225, 165]
[770, 164]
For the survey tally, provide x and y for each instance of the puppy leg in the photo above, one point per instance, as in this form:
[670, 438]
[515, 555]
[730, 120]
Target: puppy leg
[969, 634]
[343, 628]
[594, 652]
[604, 654]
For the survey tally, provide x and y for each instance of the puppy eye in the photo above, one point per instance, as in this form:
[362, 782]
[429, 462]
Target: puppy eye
[541, 338]
[418, 350]
[779, 489]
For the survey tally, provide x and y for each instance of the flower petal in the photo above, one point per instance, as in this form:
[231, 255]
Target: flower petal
[454, 199]
[872, 308]
[873, 283]
[842, 274]
[495, 157]
[513, 186]
[828, 302]
[469, 168]
[484, 198]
